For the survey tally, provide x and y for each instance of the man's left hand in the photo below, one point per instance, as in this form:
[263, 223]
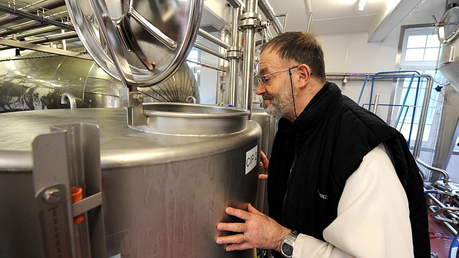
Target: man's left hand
[258, 231]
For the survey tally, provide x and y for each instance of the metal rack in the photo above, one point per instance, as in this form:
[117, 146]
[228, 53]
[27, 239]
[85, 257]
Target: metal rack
[415, 79]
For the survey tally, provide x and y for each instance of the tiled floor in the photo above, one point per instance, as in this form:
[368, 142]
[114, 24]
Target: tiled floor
[440, 238]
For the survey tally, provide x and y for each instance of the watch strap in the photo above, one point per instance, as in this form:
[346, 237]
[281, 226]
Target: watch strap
[288, 244]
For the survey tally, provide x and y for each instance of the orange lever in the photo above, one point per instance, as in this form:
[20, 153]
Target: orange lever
[77, 195]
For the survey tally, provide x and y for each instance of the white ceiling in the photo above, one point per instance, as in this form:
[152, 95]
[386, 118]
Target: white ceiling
[378, 18]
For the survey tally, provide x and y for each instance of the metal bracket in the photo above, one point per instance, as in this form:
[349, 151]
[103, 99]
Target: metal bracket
[135, 114]
[69, 156]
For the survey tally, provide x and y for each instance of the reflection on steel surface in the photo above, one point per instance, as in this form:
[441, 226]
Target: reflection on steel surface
[39, 83]
[178, 88]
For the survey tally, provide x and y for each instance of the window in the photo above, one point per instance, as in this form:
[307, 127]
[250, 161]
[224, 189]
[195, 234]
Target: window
[421, 48]
[419, 52]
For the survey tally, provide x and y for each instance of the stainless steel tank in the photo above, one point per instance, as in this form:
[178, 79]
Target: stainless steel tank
[38, 83]
[449, 56]
[163, 192]
[449, 66]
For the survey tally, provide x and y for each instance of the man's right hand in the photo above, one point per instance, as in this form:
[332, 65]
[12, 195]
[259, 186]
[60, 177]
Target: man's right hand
[264, 165]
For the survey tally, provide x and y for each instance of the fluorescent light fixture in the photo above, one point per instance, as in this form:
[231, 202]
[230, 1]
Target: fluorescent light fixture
[362, 4]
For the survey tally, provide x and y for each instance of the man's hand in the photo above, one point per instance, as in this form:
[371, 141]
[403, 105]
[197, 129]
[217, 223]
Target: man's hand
[258, 231]
[264, 163]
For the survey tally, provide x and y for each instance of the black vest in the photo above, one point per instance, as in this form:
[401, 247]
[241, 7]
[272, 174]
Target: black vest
[313, 157]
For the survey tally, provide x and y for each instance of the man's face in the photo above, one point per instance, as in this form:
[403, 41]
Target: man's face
[276, 91]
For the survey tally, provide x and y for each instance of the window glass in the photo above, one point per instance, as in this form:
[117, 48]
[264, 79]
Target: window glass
[414, 54]
[416, 41]
[432, 41]
[431, 54]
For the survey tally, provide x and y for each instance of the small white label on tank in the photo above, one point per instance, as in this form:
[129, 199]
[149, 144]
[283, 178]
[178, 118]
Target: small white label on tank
[251, 159]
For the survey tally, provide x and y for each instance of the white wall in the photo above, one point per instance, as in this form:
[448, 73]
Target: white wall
[208, 80]
[350, 53]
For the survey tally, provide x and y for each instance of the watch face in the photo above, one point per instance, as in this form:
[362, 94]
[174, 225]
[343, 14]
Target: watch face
[287, 249]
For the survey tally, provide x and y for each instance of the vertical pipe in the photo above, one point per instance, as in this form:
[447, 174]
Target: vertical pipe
[222, 63]
[375, 107]
[423, 118]
[249, 49]
[64, 42]
[234, 62]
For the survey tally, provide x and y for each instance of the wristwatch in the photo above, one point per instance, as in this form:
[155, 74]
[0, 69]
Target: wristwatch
[288, 244]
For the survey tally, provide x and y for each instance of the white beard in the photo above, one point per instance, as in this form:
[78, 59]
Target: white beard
[281, 104]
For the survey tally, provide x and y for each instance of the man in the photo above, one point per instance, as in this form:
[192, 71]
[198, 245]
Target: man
[341, 183]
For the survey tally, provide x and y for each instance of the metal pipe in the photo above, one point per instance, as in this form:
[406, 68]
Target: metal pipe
[68, 97]
[209, 50]
[222, 89]
[441, 171]
[441, 205]
[191, 99]
[309, 22]
[206, 65]
[235, 54]
[31, 25]
[249, 22]
[375, 107]
[16, 44]
[35, 17]
[32, 32]
[55, 37]
[423, 117]
[236, 3]
[39, 5]
[213, 39]
[268, 11]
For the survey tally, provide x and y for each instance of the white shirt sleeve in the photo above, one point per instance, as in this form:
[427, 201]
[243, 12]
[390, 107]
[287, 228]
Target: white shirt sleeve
[373, 216]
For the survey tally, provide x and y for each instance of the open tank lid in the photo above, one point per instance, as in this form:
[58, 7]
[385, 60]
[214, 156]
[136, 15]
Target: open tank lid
[450, 25]
[144, 41]
[449, 57]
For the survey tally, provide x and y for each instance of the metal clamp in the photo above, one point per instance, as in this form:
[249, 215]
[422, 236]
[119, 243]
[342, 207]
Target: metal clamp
[234, 52]
[249, 20]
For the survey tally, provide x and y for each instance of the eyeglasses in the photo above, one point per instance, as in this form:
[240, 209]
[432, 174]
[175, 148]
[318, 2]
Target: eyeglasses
[262, 78]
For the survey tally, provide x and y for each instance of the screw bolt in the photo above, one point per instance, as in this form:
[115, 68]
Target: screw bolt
[52, 195]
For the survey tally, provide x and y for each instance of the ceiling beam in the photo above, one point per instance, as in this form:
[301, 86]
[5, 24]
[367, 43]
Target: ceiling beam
[35, 17]
[45, 49]
[393, 19]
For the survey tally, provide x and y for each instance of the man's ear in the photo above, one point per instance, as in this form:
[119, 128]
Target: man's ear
[304, 72]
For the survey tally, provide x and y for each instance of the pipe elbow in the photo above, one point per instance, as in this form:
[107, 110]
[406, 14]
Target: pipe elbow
[68, 97]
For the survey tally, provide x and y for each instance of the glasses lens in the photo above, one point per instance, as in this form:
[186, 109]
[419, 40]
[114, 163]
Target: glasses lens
[260, 78]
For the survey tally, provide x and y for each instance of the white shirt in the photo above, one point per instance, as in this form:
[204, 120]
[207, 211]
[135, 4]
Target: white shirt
[373, 216]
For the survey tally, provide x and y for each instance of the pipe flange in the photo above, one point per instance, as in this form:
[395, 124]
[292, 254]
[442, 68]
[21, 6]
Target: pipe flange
[234, 52]
[249, 20]
[250, 15]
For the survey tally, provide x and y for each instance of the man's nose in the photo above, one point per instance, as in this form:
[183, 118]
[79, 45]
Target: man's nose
[260, 88]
